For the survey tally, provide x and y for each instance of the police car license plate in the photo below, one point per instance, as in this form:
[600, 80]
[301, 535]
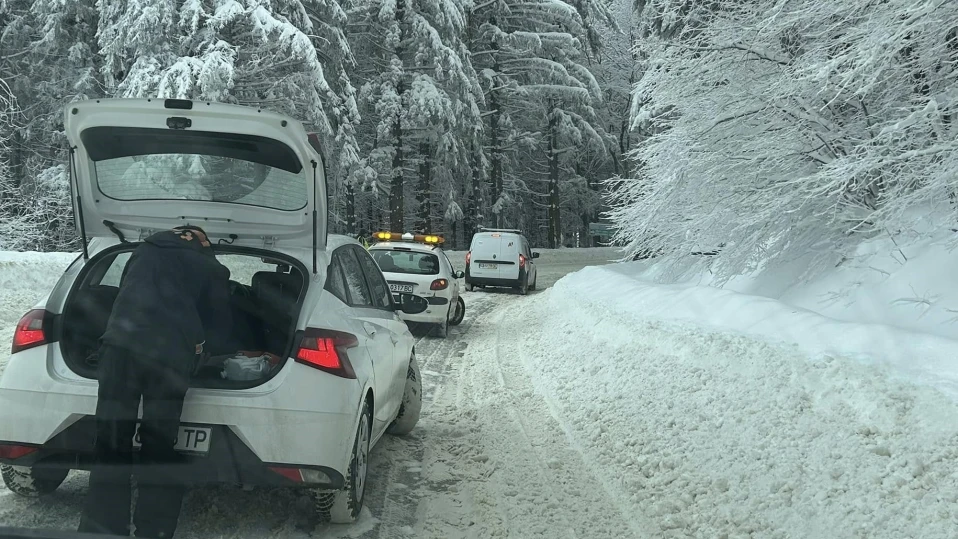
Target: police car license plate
[189, 440]
[401, 288]
[488, 266]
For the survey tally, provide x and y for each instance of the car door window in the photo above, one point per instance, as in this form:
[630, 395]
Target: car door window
[377, 284]
[336, 283]
[353, 276]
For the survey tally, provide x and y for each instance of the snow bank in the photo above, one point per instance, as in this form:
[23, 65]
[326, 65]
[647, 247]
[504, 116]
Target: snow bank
[719, 434]
[888, 304]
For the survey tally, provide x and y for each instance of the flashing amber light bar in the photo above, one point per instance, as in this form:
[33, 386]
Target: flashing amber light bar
[420, 238]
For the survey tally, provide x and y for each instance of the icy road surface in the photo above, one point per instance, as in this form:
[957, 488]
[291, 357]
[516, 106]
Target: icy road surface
[552, 416]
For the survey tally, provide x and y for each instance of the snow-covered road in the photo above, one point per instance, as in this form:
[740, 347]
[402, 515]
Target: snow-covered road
[556, 416]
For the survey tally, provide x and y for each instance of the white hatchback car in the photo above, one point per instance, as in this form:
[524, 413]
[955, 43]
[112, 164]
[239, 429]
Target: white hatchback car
[417, 265]
[343, 370]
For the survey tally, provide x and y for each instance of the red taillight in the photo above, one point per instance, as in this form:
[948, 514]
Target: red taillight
[439, 284]
[29, 332]
[522, 261]
[302, 475]
[325, 349]
[468, 256]
[289, 473]
[14, 451]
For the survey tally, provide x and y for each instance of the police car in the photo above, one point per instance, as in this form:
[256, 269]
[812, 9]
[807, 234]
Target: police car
[415, 264]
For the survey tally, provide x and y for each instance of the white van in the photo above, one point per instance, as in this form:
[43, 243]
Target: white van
[501, 257]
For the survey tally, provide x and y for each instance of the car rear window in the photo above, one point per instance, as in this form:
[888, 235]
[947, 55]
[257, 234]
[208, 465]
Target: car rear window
[214, 167]
[410, 262]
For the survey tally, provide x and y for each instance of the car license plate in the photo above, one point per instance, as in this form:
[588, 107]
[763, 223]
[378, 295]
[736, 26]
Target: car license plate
[189, 440]
[488, 266]
[401, 288]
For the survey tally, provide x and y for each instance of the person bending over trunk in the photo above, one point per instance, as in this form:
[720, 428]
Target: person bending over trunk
[173, 300]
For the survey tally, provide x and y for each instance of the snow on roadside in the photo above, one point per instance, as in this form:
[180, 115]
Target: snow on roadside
[922, 357]
[709, 434]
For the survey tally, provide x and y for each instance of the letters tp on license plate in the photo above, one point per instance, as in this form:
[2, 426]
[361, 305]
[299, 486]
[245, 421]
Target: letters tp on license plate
[488, 266]
[190, 439]
[405, 288]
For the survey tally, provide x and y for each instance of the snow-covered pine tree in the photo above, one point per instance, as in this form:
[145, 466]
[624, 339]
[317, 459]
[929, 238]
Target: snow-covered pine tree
[329, 21]
[249, 53]
[48, 57]
[539, 94]
[423, 97]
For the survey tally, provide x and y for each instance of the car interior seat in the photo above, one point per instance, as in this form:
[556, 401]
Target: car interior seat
[427, 265]
[276, 294]
[387, 264]
[89, 312]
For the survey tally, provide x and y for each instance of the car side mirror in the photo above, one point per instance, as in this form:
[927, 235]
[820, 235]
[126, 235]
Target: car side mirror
[535, 255]
[460, 274]
[411, 304]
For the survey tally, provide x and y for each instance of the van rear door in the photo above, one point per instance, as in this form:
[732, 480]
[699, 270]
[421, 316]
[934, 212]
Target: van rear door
[486, 258]
[509, 248]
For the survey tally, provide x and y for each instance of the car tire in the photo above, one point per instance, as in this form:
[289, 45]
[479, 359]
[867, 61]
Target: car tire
[469, 287]
[343, 506]
[411, 406]
[533, 285]
[32, 482]
[524, 288]
[460, 312]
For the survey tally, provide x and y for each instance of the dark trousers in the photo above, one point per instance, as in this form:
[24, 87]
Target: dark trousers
[125, 377]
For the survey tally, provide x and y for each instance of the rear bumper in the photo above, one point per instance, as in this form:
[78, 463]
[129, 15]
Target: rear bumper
[229, 460]
[301, 417]
[490, 281]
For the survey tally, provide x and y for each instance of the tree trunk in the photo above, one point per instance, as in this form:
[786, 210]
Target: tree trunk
[555, 225]
[425, 186]
[372, 225]
[350, 209]
[495, 110]
[397, 206]
[473, 218]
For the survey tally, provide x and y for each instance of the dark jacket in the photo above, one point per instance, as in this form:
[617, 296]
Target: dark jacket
[173, 295]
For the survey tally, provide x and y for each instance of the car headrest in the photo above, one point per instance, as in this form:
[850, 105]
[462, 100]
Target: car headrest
[386, 263]
[277, 288]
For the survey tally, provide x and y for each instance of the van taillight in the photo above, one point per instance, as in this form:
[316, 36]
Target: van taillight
[325, 349]
[522, 261]
[30, 331]
[468, 256]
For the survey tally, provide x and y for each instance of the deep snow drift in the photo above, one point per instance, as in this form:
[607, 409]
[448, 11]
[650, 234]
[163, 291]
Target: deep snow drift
[889, 304]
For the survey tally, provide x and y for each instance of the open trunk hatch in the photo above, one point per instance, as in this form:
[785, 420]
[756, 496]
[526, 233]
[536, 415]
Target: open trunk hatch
[266, 294]
[142, 165]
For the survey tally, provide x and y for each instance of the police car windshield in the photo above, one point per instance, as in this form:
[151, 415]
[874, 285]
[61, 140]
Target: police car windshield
[409, 262]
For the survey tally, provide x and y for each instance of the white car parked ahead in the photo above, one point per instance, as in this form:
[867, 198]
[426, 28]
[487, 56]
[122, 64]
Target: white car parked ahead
[415, 264]
[343, 370]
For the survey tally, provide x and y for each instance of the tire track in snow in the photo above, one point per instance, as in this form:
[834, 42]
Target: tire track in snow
[396, 483]
[545, 487]
[497, 463]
